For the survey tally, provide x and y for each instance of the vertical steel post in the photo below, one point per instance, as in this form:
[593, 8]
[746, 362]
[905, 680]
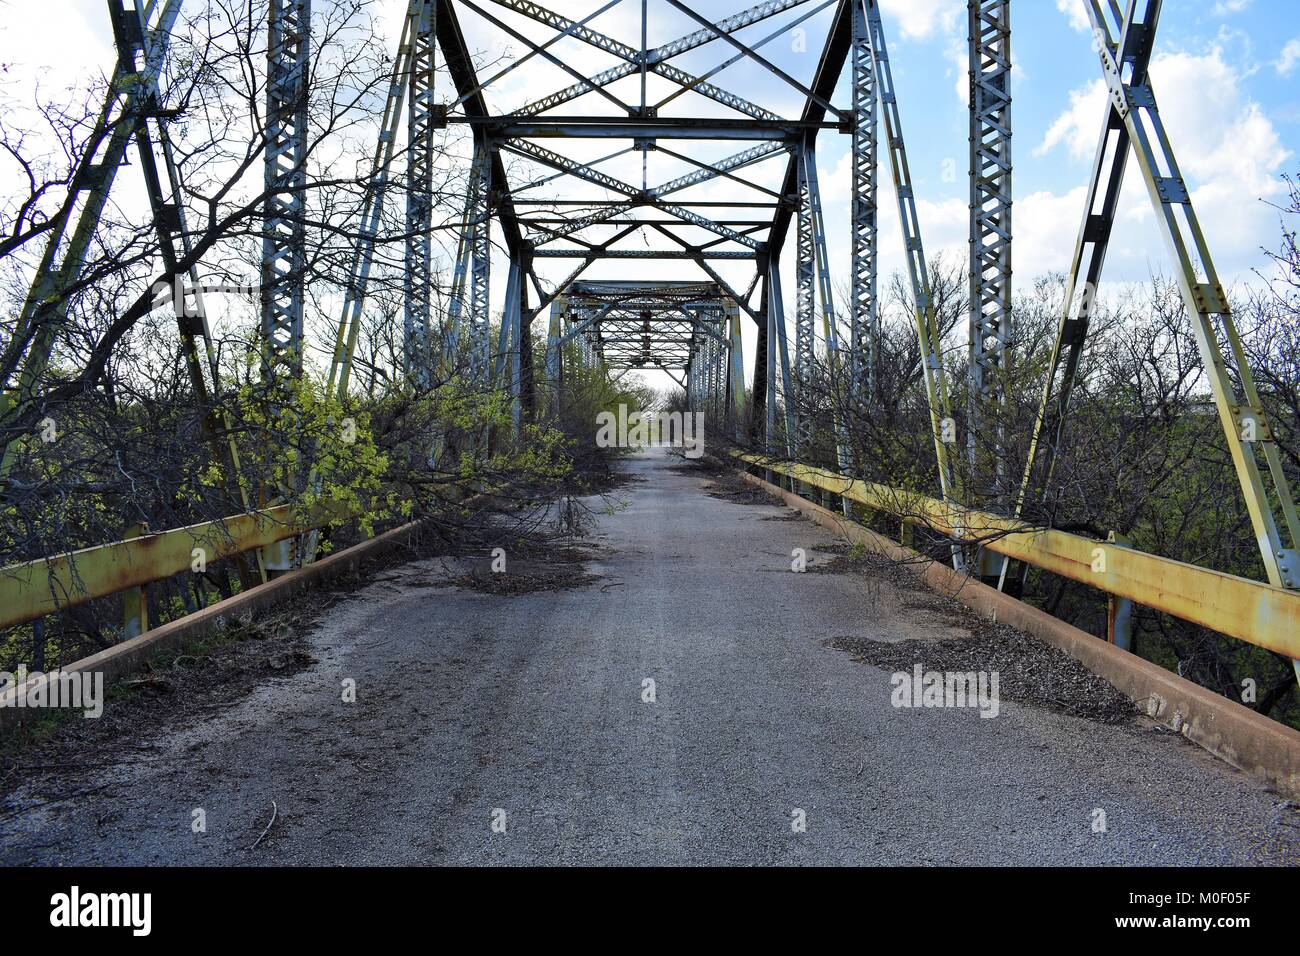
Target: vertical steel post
[512, 335]
[805, 336]
[736, 355]
[830, 327]
[554, 352]
[135, 601]
[478, 225]
[284, 237]
[775, 314]
[690, 371]
[284, 240]
[989, 39]
[418, 276]
[1119, 611]
[506, 341]
[864, 328]
[709, 366]
[782, 353]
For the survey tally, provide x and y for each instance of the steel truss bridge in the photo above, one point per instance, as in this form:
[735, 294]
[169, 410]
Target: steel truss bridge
[555, 178]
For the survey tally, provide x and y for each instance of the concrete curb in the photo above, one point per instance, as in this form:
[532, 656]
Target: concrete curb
[130, 656]
[1246, 739]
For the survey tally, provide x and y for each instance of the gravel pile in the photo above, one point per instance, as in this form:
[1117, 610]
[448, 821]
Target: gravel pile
[1029, 671]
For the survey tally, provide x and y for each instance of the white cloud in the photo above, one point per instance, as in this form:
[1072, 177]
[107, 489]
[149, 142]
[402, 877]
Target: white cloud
[1240, 143]
[1290, 58]
[1078, 16]
[918, 19]
[1044, 225]
[84, 47]
[1228, 7]
[958, 54]
[1080, 125]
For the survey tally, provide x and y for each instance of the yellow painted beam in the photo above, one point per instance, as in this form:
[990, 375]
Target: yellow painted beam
[40, 587]
[1255, 612]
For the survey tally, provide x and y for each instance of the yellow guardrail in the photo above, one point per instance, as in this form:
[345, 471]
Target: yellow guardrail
[1252, 611]
[35, 588]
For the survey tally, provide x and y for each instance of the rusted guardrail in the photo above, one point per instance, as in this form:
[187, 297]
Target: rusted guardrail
[35, 588]
[1252, 611]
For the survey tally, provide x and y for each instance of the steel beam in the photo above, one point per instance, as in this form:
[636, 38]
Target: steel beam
[722, 168]
[637, 62]
[600, 128]
[418, 276]
[864, 317]
[810, 95]
[478, 319]
[989, 25]
[639, 197]
[284, 240]
[805, 328]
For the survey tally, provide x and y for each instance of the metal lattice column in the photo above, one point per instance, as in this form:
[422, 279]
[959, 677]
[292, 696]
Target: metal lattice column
[284, 241]
[708, 367]
[478, 225]
[723, 361]
[735, 357]
[778, 360]
[585, 312]
[830, 332]
[864, 327]
[697, 378]
[511, 352]
[555, 351]
[714, 380]
[990, 245]
[804, 322]
[418, 277]
[692, 383]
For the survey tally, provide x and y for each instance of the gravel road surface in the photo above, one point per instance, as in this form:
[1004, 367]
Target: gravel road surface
[517, 728]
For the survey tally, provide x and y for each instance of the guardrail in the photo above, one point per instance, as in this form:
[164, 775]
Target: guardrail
[35, 588]
[1252, 611]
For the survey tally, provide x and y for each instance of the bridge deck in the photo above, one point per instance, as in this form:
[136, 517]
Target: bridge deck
[470, 701]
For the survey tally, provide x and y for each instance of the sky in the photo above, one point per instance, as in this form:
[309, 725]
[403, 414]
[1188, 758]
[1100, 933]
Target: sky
[1226, 75]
